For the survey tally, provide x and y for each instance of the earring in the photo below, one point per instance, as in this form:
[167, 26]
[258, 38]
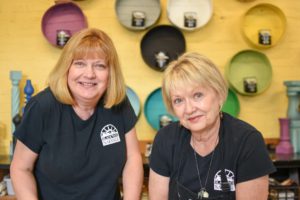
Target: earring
[221, 114]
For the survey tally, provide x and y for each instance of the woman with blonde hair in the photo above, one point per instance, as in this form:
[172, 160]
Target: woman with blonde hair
[77, 137]
[207, 154]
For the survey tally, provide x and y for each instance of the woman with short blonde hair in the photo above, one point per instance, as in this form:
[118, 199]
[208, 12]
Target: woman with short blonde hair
[207, 154]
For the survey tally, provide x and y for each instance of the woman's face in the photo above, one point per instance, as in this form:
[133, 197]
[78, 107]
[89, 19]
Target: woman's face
[197, 108]
[88, 79]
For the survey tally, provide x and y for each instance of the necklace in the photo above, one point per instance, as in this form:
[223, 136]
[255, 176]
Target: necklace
[202, 192]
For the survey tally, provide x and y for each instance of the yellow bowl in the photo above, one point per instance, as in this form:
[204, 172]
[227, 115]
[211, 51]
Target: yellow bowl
[260, 19]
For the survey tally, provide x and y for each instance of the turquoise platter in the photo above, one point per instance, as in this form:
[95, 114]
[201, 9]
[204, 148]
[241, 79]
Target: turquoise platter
[154, 108]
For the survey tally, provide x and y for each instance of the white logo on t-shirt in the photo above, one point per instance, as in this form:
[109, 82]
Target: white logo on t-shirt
[109, 135]
[230, 179]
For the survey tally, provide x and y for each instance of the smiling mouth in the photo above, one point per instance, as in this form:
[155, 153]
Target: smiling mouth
[87, 84]
[194, 118]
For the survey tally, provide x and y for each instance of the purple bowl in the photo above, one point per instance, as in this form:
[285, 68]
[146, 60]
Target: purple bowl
[62, 16]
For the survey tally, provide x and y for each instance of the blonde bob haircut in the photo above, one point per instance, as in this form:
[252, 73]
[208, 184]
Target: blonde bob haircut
[88, 43]
[189, 70]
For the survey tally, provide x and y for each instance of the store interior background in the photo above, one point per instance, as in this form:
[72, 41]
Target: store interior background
[24, 48]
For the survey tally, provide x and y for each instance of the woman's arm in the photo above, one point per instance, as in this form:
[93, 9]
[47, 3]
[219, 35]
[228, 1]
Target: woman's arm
[133, 170]
[158, 186]
[21, 172]
[254, 189]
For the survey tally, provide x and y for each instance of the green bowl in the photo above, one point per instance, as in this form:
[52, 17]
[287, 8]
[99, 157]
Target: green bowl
[232, 104]
[249, 64]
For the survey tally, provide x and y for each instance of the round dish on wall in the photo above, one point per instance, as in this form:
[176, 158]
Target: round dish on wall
[134, 100]
[189, 15]
[264, 25]
[61, 21]
[232, 104]
[137, 14]
[161, 45]
[249, 72]
[155, 109]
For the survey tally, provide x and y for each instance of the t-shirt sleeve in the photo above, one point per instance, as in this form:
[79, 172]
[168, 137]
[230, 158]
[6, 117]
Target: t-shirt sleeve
[29, 131]
[159, 159]
[128, 115]
[254, 160]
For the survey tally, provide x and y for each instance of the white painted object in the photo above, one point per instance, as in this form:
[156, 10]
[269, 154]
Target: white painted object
[9, 187]
[148, 10]
[179, 11]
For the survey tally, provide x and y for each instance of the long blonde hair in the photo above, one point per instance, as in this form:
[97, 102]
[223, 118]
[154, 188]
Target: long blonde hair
[88, 42]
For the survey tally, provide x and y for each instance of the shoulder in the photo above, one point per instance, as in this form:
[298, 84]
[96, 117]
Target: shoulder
[237, 127]
[235, 124]
[45, 100]
[240, 132]
[167, 146]
[125, 104]
[171, 135]
[44, 96]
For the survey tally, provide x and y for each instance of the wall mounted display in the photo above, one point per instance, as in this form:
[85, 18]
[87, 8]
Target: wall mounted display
[137, 14]
[61, 21]
[189, 15]
[134, 100]
[263, 25]
[155, 110]
[162, 44]
[232, 104]
[249, 72]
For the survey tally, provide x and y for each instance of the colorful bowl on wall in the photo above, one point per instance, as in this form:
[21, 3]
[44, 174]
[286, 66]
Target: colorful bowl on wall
[232, 104]
[263, 25]
[189, 15]
[154, 109]
[61, 21]
[134, 100]
[137, 14]
[249, 72]
[161, 45]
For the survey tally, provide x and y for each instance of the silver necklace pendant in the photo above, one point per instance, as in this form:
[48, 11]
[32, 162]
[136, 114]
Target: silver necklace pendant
[203, 194]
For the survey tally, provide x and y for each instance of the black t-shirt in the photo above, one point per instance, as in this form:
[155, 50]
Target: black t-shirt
[78, 159]
[241, 154]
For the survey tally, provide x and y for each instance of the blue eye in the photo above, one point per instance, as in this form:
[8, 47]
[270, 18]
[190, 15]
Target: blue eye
[100, 66]
[79, 63]
[198, 95]
[177, 101]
